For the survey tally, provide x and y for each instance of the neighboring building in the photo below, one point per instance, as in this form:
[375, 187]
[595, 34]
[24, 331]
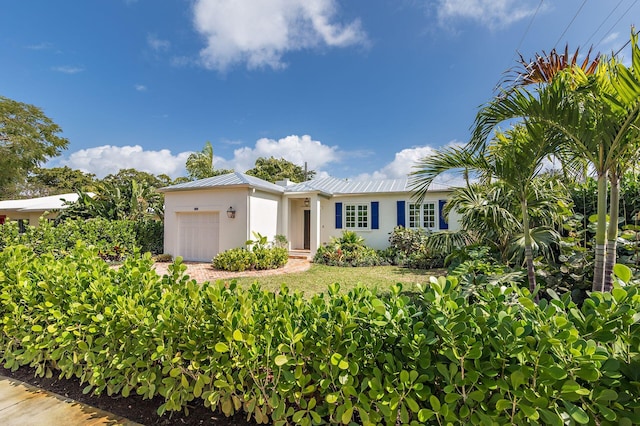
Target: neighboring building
[207, 216]
[29, 210]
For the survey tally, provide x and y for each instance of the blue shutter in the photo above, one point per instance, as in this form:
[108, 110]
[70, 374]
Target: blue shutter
[443, 220]
[401, 214]
[374, 215]
[338, 215]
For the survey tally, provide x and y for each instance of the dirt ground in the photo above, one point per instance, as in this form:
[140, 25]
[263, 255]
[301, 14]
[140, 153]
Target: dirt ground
[133, 408]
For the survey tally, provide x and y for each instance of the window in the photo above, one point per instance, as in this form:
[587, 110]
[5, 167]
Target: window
[422, 215]
[356, 216]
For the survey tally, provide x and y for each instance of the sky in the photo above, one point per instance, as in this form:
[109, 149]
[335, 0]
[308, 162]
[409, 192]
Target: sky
[356, 89]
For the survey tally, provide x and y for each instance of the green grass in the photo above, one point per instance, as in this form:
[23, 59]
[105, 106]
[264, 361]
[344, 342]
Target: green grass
[316, 279]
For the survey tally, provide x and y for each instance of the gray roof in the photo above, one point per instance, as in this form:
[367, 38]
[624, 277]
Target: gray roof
[335, 186]
[228, 180]
[328, 185]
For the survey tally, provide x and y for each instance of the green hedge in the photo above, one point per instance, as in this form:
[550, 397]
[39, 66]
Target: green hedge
[429, 357]
[259, 257]
[113, 238]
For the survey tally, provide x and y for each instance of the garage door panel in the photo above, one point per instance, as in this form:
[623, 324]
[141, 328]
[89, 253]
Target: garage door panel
[198, 235]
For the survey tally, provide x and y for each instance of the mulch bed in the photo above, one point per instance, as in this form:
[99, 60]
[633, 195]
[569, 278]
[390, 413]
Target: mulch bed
[133, 407]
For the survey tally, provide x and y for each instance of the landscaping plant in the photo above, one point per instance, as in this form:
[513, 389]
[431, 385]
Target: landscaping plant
[424, 357]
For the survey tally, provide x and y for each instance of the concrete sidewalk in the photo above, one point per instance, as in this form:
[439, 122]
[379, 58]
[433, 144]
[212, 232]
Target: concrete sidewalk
[24, 405]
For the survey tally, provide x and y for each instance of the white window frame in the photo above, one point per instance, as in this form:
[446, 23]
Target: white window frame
[427, 214]
[356, 222]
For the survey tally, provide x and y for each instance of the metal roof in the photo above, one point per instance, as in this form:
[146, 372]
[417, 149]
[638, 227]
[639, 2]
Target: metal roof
[231, 179]
[52, 202]
[335, 186]
[328, 185]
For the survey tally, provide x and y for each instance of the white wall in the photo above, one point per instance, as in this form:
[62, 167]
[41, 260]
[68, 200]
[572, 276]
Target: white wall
[264, 212]
[375, 238]
[233, 232]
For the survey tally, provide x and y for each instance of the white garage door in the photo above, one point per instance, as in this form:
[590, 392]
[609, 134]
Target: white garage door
[198, 236]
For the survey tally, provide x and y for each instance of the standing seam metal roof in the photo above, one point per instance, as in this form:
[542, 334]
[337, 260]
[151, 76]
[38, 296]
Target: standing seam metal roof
[231, 179]
[328, 185]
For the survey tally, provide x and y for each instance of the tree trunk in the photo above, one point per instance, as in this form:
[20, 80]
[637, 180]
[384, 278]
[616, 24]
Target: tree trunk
[528, 252]
[612, 232]
[601, 230]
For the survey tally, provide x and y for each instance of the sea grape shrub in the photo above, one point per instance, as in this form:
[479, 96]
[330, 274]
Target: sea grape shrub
[422, 357]
[115, 239]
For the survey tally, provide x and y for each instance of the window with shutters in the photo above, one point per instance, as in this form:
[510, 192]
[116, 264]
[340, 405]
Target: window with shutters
[356, 216]
[422, 215]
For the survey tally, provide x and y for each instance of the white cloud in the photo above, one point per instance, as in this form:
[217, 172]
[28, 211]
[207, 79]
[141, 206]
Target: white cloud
[493, 14]
[106, 159]
[140, 87]
[259, 33]
[296, 149]
[404, 162]
[67, 69]
[157, 44]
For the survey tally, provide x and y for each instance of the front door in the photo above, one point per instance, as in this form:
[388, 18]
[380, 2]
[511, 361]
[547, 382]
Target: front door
[307, 229]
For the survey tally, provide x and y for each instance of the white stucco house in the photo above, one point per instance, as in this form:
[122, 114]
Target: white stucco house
[207, 216]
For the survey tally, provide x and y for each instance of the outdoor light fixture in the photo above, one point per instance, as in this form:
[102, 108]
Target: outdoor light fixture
[231, 213]
[307, 202]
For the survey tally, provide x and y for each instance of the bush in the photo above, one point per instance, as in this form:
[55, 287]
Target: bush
[409, 247]
[348, 250]
[149, 235]
[259, 257]
[237, 259]
[432, 358]
[114, 239]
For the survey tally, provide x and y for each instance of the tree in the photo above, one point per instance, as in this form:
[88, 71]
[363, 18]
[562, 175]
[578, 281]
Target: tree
[515, 159]
[27, 138]
[272, 170]
[125, 176]
[597, 113]
[58, 180]
[200, 164]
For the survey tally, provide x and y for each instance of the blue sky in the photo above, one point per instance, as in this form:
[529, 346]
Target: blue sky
[355, 88]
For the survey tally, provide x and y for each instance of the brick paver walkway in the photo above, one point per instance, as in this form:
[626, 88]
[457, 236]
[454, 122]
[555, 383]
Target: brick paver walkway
[202, 272]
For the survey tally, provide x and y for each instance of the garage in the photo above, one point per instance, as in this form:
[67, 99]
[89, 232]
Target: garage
[198, 235]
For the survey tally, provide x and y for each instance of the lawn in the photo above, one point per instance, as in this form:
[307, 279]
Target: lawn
[316, 279]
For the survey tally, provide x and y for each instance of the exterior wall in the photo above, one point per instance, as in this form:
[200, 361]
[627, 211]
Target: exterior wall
[387, 216]
[233, 232]
[264, 214]
[33, 217]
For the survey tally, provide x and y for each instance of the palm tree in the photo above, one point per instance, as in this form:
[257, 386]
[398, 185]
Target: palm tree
[514, 157]
[200, 164]
[597, 115]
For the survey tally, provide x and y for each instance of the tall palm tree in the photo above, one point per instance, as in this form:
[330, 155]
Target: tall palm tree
[514, 157]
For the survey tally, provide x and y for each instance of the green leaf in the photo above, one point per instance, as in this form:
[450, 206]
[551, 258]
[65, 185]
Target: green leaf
[221, 347]
[517, 378]
[623, 272]
[36, 328]
[346, 416]
[503, 404]
[281, 360]
[424, 414]
[435, 403]
[607, 395]
[237, 336]
[332, 398]
[576, 413]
